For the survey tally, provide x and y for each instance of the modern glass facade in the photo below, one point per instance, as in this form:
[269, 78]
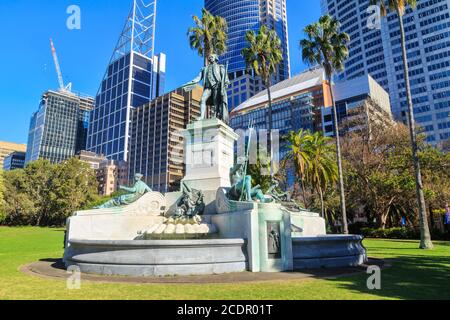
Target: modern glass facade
[6, 148]
[133, 78]
[129, 83]
[15, 160]
[378, 52]
[241, 16]
[58, 129]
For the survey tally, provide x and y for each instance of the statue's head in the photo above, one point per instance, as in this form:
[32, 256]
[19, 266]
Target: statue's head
[213, 58]
[138, 177]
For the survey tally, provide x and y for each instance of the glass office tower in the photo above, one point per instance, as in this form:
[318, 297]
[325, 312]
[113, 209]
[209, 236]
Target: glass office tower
[58, 129]
[133, 78]
[378, 52]
[241, 16]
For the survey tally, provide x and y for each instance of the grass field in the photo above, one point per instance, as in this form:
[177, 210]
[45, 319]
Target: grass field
[414, 274]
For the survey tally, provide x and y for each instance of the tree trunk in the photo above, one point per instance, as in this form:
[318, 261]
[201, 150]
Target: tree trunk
[339, 160]
[269, 145]
[322, 205]
[304, 193]
[425, 237]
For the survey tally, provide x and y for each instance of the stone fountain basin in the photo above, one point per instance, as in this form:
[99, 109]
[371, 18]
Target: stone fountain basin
[157, 257]
[328, 251]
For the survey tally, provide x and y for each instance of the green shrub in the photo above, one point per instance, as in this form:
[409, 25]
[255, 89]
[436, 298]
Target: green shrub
[394, 233]
[401, 233]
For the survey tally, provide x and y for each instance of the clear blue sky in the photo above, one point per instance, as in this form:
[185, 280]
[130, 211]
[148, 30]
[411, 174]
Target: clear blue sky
[26, 64]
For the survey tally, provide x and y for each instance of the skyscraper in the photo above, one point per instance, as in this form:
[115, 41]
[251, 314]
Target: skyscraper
[58, 129]
[133, 77]
[378, 52]
[243, 15]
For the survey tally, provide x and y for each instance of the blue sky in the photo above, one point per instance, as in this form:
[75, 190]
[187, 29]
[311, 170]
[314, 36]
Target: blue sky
[26, 64]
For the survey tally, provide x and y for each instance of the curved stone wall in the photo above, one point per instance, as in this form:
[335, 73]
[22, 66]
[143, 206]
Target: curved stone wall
[157, 258]
[332, 251]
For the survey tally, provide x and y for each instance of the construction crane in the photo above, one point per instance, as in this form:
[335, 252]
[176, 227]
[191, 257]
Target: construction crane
[62, 87]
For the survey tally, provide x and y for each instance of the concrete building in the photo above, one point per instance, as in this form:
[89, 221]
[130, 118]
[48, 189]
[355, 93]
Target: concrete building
[134, 76]
[157, 144]
[58, 129]
[297, 103]
[13, 161]
[351, 97]
[6, 148]
[241, 16]
[110, 175]
[94, 160]
[378, 52]
[304, 102]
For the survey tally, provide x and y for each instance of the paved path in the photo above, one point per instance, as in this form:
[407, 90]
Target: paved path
[54, 269]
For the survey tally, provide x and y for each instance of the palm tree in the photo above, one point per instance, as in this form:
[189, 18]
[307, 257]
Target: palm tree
[399, 7]
[327, 47]
[263, 55]
[322, 170]
[209, 35]
[297, 143]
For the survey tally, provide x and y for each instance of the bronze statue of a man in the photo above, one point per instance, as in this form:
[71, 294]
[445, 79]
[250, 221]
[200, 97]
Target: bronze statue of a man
[215, 84]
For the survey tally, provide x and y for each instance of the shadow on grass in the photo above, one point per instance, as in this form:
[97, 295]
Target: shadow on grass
[410, 278]
[55, 263]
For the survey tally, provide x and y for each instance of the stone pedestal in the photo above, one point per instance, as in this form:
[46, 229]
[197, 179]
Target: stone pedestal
[209, 156]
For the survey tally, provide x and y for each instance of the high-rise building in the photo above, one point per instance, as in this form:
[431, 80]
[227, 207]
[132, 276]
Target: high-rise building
[15, 160]
[157, 143]
[58, 129]
[378, 52]
[6, 148]
[133, 77]
[241, 16]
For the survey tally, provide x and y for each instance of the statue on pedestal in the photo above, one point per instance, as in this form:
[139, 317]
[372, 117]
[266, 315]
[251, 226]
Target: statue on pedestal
[241, 189]
[135, 193]
[215, 83]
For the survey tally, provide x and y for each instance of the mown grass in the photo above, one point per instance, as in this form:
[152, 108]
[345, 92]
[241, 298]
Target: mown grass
[415, 274]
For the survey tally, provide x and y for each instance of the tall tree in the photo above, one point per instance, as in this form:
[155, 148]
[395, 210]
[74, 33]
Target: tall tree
[325, 45]
[43, 194]
[263, 54]
[209, 35]
[322, 170]
[75, 186]
[399, 7]
[298, 154]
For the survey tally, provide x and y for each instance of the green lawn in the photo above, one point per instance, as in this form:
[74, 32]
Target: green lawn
[415, 274]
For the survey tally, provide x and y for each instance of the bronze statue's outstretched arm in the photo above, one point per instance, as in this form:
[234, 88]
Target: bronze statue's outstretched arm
[131, 190]
[192, 84]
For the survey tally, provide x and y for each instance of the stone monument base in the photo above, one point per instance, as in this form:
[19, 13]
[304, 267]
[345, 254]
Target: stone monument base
[157, 258]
